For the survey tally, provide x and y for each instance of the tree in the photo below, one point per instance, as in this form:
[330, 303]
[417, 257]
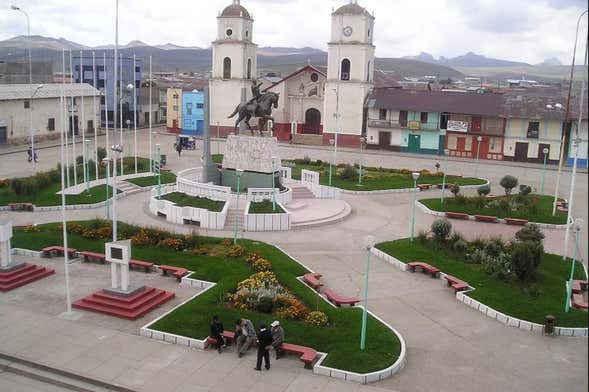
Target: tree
[524, 260]
[530, 232]
[455, 189]
[484, 190]
[441, 229]
[508, 183]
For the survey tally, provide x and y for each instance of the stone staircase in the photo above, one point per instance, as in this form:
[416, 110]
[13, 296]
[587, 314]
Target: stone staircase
[22, 275]
[301, 192]
[125, 186]
[230, 220]
[308, 139]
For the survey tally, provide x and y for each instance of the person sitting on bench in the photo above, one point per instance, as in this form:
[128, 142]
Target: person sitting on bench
[217, 333]
[277, 337]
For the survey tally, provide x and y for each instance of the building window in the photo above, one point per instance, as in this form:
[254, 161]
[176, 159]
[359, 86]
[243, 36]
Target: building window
[247, 34]
[90, 124]
[51, 124]
[345, 69]
[533, 129]
[403, 116]
[314, 77]
[100, 83]
[137, 69]
[27, 104]
[102, 100]
[138, 84]
[368, 72]
[249, 68]
[229, 32]
[227, 68]
[423, 118]
[200, 106]
[368, 33]
[382, 114]
[189, 109]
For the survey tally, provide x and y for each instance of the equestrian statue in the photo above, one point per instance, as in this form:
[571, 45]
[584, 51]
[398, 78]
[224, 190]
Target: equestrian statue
[259, 106]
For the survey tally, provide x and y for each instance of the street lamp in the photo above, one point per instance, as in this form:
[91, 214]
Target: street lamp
[476, 165]
[106, 161]
[238, 173]
[415, 176]
[331, 162]
[273, 185]
[577, 227]
[446, 152]
[117, 148]
[368, 245]
[86, 168]
[545, 151]
[362, 145]
[159, 170]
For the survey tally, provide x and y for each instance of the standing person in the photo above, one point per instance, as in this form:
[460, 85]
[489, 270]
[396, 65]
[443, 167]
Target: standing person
[239, 335]
[264, 346]
[30, 154]
[35, 156]
[179, 148]
[217, 333]
[249, 332]
[277, 337]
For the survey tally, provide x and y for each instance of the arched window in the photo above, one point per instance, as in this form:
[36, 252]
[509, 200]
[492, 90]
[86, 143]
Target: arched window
[368, 72]
[227, 68]
[312, 121]
[249, 68]
[345, 70]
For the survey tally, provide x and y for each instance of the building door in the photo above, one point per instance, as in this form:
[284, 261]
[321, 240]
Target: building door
[74, 126]
[521, 152]
[175, 124]
[146, 118]
[461, 144]
[312, 121]
[483, 149]
[384, 139]
[414, 143]
[3, 137]
[541, 154]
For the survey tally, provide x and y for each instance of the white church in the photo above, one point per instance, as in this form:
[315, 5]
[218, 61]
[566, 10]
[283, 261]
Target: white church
[314, 106]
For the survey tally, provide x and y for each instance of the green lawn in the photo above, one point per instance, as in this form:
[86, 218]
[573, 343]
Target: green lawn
[167, 178]
[264, 207]
[217, 158]
[543, 212]
[341, 338]
[183, 200]
[503, 296]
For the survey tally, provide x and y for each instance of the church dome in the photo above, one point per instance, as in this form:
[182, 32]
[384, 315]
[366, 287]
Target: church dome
[351, 9]
[235, 10]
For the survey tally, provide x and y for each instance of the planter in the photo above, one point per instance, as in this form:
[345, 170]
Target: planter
[266, 222]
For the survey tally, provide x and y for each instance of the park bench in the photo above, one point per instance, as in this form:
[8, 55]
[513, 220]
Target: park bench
[313, 280]
[307, 354]
[338, 300]
[446, 185]
[143, 264]
[516, 222]
[562, 209]
[485, 218]
[423, 187]
[579, 301]
[228, 335]
[50, 251]
[93, 256]
[456, 215]
[21, 206]
[177, 272]
[457, 284]
[425, 268]
[579, 286]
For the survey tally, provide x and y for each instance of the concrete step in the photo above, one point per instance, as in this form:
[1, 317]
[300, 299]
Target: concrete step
[324, 221]
[25, 277]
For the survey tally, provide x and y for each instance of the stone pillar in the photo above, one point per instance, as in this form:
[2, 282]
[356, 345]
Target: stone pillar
[5, 236]
[118, 253]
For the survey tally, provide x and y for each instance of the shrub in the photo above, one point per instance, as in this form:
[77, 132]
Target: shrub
[460, 246]
[201, 251]
[480, 202]
[265, 305]
[422, 237]
[530, 232]
[508, 183]
[317, 318]
[234, 251]
[441, 228]
[498, 267]
[484, 190]
[478, 256]
[455, 189]
[172, 243]
[261, 265]
[495, 246]
[348, 173]
[523, 261]
[101, 153]
[525, 190]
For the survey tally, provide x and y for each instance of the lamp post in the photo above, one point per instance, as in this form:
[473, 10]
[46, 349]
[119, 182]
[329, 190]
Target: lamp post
[415, 176]
[545, 151]
[273, 185]
[107, 160]
[238, 173]
[86, 166]
[577, 227]
[446, 152]
[117, 148]
[331, 161]
[39, 87]
[362, 145]
[368, 244]
[159, 171]
[476, 165]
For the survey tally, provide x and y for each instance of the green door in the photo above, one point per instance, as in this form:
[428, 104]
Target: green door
[414, 143]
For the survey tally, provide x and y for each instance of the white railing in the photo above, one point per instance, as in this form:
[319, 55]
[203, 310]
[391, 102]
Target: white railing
[193, 188]
[286, 173]
[309, 176]
[261, 194]
[310, 179]
[266, 222]
[191, 175]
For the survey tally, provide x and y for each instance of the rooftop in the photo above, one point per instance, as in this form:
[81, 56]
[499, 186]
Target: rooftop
[51, 90]
[235, 10]
[351, 9]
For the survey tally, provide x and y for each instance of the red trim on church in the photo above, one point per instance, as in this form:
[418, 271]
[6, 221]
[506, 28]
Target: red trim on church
[343, 140]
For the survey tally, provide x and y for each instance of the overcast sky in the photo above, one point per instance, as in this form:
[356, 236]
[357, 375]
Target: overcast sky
[521, 30]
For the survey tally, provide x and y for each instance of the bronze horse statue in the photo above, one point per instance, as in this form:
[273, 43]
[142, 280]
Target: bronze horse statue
[261, 108]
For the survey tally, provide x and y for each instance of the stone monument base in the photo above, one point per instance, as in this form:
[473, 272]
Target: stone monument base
[12, 266]
[131, 290]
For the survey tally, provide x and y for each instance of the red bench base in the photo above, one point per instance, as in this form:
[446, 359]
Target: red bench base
[339, 300]
[425, 268]
[313, 280]
[307, 354]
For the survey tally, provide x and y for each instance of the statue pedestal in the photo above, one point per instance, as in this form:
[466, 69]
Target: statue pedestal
[253, 155]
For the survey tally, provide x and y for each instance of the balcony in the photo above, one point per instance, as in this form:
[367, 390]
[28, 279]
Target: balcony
[383, 124]
[423, 126]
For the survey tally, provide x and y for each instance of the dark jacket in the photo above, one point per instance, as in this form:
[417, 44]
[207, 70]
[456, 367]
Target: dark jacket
[264, 338]
[216, 329]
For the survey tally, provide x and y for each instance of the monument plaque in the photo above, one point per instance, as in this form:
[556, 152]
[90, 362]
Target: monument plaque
[251, 154]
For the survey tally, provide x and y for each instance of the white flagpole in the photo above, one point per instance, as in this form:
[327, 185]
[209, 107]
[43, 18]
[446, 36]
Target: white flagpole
[150, 114]
[135, 108]
[107, 146]
[115, 79]
[83, 120]
[64, 114]
[121, 109]
[73, 125]
[94, 108]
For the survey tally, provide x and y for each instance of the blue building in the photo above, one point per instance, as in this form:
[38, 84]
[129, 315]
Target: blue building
[193, 112]
[105, 77]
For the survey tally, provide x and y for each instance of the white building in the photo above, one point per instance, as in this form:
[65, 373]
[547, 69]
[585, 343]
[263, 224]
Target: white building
[234, 65]
[350, 73]
[16, 107]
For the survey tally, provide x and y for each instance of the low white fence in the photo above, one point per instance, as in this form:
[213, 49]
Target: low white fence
[309, 176]
[261, 194]
[311, 180]
[191, 175]
[266, 222]
[187, 215]
[194, 188]
[285, 173]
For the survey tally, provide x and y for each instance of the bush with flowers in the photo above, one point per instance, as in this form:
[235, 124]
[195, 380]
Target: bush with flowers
[257, 262]
[235, 251]
[172, 243]
[32, 229]
[317, 318]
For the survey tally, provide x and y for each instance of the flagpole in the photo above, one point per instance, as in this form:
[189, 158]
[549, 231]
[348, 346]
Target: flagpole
[94, 109]
[83, 120]
[73, 125]
[135, 108]
[64, 110]
[150, 114]
[121, 108]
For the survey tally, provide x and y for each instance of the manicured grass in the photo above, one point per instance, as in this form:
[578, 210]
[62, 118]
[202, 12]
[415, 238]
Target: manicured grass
[543, 213]
[377, 178]
[341, 338]
[505, 297]
[264, 207]
[183, 200]
[48, 196]
[217, 158]
[167, 178]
